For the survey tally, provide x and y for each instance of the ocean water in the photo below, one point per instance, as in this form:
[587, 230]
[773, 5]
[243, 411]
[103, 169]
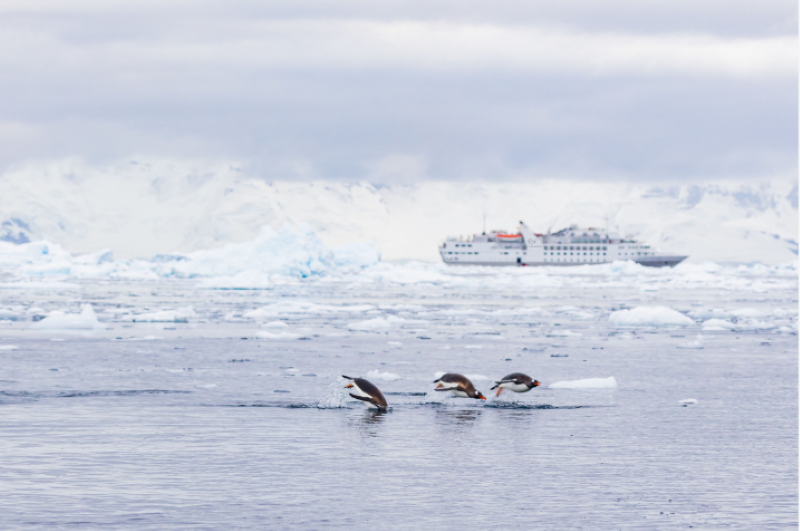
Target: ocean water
[201, 424]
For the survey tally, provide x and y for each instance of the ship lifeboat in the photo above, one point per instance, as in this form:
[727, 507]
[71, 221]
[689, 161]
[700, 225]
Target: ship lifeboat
[508, 237]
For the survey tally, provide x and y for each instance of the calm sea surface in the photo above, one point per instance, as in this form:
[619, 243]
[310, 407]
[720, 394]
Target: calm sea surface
[207, 427]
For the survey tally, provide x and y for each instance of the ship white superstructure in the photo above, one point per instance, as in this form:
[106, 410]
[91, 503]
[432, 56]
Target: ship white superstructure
[567, 247]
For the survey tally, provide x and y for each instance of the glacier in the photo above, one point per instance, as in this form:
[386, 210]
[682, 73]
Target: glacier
[143, 208]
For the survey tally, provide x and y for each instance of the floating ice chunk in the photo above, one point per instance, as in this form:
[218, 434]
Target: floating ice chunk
[750, 313]
[718, 324]
[40, 285]
[649, 316]
[380, 323]
[181, 315]
[564, 333]
[9, 314]
[713, 313]
[300, 307]
[396, 344]
[692, 345]
[473, 346]
[58, 320]
[144, 338]
[385, 376]
[8, 347]
[687, 402]
[588, 383]
[274, 324]
[276, 335]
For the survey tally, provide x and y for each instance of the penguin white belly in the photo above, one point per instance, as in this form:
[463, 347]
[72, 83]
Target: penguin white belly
[355, 390]
[517, 388]
[461, 394]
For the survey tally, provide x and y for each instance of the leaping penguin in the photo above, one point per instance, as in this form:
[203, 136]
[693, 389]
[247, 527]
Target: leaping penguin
[458, 384]
[366, 391]
[517, 382]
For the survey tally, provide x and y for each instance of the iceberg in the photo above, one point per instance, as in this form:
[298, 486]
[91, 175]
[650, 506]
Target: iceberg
[59, 320]
[292, 251]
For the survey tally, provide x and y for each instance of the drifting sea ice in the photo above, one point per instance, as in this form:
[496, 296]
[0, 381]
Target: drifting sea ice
[649, 316]
[718, 325]
[385, 376]
[59, 320]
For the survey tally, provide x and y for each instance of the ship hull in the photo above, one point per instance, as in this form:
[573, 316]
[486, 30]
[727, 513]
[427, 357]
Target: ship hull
[650, 261]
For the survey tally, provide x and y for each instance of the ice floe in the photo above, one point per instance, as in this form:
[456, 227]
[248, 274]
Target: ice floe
[385, 376]
[60, 320]
[276, 335]
[649, 316]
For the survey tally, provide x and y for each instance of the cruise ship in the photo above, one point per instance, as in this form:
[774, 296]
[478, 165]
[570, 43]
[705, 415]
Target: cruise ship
[567, 247]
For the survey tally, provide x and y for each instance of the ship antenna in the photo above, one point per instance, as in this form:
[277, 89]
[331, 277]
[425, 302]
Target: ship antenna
[484, 223]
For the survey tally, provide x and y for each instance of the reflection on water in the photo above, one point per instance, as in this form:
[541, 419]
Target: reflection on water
[368, 422]
[458, 418]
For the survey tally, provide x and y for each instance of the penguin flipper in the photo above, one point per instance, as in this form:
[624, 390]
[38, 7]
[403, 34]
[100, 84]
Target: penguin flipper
[364, 398]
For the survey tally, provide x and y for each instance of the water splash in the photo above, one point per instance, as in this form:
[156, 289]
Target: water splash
[335, 395]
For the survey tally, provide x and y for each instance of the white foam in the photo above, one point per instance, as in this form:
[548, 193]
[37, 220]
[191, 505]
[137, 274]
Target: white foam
[385, 376]
[588, 383]
[59, 320]
[8, 347]
[649, 316]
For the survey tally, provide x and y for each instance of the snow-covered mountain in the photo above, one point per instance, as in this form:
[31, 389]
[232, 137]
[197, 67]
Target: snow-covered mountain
[140, 209]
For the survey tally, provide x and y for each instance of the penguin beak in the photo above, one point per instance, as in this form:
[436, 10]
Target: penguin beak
[348, 386]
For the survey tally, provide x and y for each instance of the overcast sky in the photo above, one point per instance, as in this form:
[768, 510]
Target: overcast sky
[395, 91]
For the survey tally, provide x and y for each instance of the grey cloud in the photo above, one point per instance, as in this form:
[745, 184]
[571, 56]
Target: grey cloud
[400, 91]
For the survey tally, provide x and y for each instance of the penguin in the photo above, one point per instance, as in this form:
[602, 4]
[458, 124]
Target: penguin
[459, 385]
[366, 391]
[517, 382]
